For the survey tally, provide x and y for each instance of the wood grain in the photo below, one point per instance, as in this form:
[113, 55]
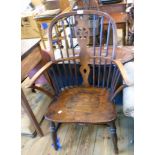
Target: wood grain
[113, 8]
[70, 144]
[124, 53]
[100, 144]
[87, 139]
[29, 62]
[103, 140]
[82, 34]
[89, 105]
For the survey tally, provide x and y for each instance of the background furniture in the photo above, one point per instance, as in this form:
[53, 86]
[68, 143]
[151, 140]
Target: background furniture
[117, 11]
[78, 79]
[46, 17]
[123, 53]
[29, 27]
[30, 55]
[33, 103]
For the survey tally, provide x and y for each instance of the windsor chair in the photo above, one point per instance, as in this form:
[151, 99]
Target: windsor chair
[85, 79]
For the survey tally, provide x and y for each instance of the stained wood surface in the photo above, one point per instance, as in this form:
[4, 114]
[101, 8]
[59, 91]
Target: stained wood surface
[30, 55]
[113, 8]
[82, 139]
[123, 53]
[109, 8]
[30, 61]
[82, 34]
[120, 17]
[81, 104]
[27, 45]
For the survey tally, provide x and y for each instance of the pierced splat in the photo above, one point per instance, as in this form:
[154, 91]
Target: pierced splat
[82, 33]
[85, 70]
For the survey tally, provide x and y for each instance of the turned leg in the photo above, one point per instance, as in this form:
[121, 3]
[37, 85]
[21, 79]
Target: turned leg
[114, 135]
[54, 135]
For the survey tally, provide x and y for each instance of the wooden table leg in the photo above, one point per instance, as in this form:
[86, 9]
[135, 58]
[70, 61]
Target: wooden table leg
[30, 113]
[41, 35]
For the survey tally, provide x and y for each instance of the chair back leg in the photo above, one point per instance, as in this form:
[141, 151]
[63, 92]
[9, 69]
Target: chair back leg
[54, 134]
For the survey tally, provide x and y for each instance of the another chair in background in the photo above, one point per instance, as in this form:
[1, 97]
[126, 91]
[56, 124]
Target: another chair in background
[52, 9]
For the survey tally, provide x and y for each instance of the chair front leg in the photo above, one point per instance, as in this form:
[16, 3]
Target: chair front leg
[54, 134]
[114, 135]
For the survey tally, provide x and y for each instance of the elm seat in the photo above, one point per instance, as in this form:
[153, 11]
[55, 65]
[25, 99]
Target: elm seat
[82, 105]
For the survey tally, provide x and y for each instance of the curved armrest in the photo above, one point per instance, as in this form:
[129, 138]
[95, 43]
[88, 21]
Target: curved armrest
[123, 72]
[39, 73]
[120, 88]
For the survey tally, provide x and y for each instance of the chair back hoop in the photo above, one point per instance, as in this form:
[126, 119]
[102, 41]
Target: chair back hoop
[78, 39]
[72, 20]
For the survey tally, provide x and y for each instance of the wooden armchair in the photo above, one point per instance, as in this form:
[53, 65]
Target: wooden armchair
[85, 81]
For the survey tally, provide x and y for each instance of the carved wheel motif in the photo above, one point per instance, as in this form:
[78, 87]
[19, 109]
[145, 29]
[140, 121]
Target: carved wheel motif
[85, 70]
[82, 33]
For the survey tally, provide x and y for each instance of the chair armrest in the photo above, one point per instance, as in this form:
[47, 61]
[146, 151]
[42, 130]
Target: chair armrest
[39, 73]
[122, 72]
[120, 88]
